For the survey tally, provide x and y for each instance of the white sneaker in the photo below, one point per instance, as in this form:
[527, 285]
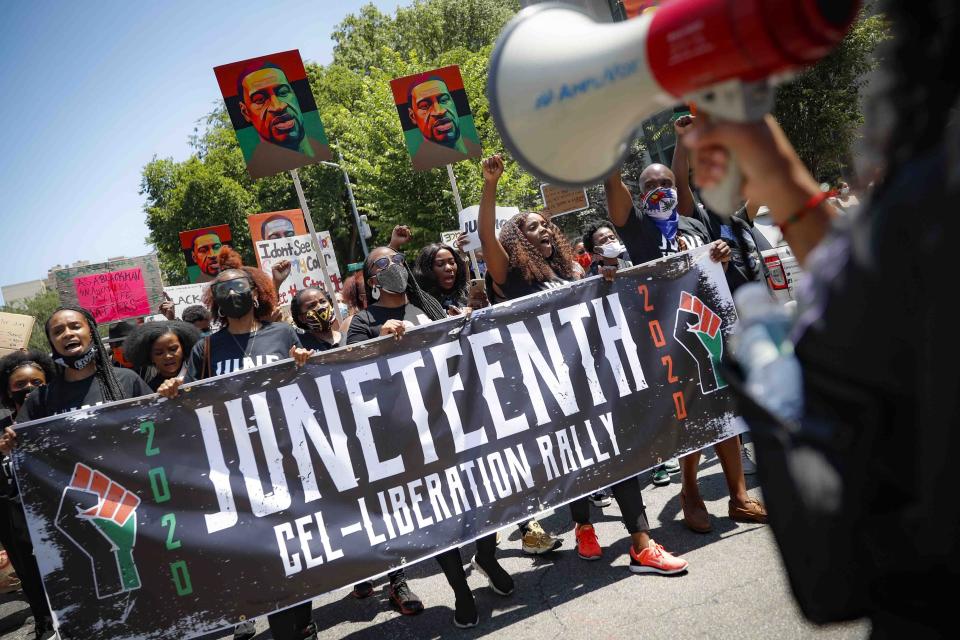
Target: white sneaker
[672, 466]
[746, 460]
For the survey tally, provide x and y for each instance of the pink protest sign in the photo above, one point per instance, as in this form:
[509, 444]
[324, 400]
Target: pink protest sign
[114, 295]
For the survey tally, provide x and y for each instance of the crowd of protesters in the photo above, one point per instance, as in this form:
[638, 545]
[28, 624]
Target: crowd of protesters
[239, 326]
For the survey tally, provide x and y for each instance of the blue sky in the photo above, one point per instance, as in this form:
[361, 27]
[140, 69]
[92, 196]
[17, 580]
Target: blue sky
[93, 90]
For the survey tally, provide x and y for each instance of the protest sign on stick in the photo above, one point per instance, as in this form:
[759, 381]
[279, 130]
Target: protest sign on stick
[185, 295]
[435, 117]
[262, 489]
[558, 201]
[201, 251]
[15, 330]
[468, 223]
[273, 225]
[273, 113]
[115, 290]
[305, 269]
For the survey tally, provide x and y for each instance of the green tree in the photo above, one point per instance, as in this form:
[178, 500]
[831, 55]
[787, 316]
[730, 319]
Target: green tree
[40, 306]
[820, 111]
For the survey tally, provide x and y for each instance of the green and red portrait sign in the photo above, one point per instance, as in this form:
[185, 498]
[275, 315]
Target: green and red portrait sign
[435, 116]
[273, 113]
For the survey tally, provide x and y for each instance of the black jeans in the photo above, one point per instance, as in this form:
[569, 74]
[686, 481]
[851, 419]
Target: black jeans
[16, 540]
[627, 495]
[452, 564]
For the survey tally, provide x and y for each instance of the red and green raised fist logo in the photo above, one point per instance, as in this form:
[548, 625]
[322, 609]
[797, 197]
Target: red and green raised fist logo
[100, 517]
[698, 332]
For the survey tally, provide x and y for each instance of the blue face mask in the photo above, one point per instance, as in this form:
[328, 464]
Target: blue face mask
[344, 311]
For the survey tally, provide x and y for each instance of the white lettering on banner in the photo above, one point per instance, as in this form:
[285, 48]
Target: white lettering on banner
[531, 360]
[312, 558]
[407, 364]
[278, 498]
[574, 316]
[448, 386]
[619, 331]
[475, 482]
[489, 373]
[219, 474]
[363, 410]
[302, 422]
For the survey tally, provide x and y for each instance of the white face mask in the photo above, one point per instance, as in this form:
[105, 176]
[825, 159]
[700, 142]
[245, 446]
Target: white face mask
[844, 191]
[612, 250]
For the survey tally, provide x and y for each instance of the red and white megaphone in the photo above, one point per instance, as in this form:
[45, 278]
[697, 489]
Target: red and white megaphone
[568, 94]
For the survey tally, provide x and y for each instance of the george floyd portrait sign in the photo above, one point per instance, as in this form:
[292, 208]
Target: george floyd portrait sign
[273, 113]
[275, 225]
[258, 490]
[435, 116]
[201, 249]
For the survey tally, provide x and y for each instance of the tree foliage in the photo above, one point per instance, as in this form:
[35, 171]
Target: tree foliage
[356, 105]
[820, 111]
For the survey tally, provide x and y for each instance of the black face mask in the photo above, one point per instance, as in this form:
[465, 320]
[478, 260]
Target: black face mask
[234, 297]
[80, 361]
[20, 396]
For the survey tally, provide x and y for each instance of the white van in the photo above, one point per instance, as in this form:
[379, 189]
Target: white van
[785, 271]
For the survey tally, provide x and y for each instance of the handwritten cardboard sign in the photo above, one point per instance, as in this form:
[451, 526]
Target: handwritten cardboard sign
[186, 295]
[115, 290]
[304, 267]
[558, 201]
[15, 330]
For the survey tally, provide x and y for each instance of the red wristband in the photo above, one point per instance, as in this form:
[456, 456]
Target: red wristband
[812, 203]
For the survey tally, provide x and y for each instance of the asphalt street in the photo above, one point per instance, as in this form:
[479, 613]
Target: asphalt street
[735, 587]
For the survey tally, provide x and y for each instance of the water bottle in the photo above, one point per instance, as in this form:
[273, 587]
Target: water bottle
[762, 347]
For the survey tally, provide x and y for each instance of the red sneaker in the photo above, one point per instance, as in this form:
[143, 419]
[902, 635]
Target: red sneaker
[654, 559]
[588, 547]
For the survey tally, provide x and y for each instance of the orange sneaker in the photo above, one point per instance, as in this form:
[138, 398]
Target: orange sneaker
[654, 559]
[588, 547]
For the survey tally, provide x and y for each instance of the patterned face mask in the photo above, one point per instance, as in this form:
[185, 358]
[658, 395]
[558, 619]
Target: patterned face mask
[660, 205]
[320, 319]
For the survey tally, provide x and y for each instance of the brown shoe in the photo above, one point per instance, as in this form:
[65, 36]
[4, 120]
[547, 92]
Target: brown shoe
[752, 511]
[695, 515]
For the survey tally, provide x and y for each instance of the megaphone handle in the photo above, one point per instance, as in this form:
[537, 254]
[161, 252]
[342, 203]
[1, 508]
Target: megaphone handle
[725, 198]
[740, 102]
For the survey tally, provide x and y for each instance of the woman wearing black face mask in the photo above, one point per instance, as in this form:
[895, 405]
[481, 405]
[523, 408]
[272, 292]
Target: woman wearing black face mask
[86, 376]
[243, 298]
[21, 372]
[397, 302]
[312, 311]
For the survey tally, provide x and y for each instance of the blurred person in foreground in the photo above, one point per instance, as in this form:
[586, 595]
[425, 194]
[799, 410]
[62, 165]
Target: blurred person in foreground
[861, 485]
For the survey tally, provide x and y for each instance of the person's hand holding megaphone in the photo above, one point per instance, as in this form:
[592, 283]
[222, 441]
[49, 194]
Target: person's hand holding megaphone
[773, 175]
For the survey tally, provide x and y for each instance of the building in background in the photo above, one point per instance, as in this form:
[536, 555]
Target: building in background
[15, 294]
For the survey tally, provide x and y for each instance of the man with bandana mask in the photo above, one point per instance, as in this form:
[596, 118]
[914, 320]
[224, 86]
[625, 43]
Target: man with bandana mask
[312, 311]
[652, 231]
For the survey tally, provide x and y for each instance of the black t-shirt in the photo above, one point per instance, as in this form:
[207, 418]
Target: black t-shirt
[366, 324]
[516, 286]
[746, 263]
[230, 352]
[310, 341]
[644, 241]
[59, 396]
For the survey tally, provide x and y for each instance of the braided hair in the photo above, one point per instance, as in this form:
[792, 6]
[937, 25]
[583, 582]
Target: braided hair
[527, 258]
[109, 386]
[415, 295]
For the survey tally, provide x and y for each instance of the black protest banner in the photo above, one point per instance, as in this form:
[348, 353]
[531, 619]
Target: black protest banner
[261, 489]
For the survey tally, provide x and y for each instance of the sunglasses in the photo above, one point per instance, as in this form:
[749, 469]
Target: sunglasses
[238, 285]
[384, 262]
